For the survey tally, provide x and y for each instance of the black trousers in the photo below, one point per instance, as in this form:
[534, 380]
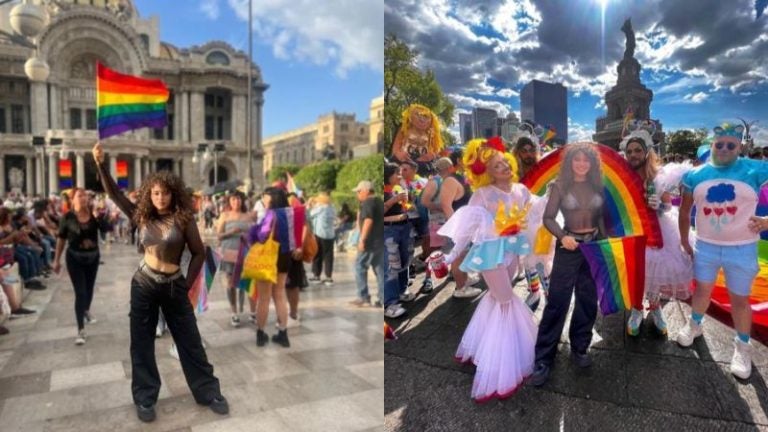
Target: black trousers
[82, 269]
[324, 257]
[570, 271]
[147, 297]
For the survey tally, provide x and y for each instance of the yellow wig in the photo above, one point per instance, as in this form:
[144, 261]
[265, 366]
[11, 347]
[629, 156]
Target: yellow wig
[435, 138]
[477, 154]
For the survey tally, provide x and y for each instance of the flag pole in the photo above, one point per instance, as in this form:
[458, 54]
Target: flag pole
[249, 108]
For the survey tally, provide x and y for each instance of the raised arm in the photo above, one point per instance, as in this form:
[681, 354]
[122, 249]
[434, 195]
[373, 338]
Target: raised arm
[109, 184]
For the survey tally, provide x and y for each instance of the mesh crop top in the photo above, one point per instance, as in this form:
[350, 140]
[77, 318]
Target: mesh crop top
[582, 209]
[162, 238]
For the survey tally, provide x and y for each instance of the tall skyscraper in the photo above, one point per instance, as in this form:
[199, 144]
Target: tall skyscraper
[546, 104]
[465, 127]
[484, 122]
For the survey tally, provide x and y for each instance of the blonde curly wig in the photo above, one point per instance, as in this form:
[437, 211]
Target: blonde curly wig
[477, 154]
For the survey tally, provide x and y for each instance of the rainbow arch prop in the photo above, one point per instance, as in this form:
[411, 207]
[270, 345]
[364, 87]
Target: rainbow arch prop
[626, 211]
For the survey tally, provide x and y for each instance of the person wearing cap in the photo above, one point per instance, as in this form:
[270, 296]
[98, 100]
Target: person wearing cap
[725, 191]
[370, 247]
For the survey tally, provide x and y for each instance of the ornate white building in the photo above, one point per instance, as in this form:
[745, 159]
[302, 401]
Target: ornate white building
[208, 101]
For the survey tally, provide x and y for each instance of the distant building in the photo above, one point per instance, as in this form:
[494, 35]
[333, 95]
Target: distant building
[546, 104]
[375, 130]
[509, 126]
[484, 123]
[465, 127]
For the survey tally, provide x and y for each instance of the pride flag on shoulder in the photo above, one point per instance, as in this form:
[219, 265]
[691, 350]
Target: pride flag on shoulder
[126, 102]
[618, 268]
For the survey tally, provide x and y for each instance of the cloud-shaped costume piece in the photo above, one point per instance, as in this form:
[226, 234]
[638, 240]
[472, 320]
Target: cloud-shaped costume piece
[721, 193]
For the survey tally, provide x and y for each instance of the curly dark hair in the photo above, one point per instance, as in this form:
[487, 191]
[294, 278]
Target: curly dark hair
[181, 202]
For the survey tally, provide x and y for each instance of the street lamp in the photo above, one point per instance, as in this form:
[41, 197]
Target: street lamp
[209, 151]
[28, 20]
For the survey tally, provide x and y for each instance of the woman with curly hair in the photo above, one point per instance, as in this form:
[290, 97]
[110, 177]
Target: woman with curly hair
[501, 335]
[164, 216]
[578, 194]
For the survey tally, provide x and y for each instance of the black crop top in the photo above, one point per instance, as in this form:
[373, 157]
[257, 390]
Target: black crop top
[162, 238]
[80, 237]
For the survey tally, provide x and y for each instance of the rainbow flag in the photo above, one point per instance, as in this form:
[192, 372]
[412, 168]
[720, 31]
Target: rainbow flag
[198, 293]
[618, 268]
[126, 102]
[65, 174]
[122, 174]
[289, 228]
[290, 185]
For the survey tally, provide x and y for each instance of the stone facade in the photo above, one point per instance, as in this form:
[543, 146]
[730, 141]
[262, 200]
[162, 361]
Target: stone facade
[208, 104]
[336, 132]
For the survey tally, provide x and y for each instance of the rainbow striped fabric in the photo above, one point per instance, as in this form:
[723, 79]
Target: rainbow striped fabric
[122, 174]
[126, 102]
[65, 174]
[198, 293]
[618, 268]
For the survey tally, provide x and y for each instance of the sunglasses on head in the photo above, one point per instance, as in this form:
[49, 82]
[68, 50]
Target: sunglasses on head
[730, 145]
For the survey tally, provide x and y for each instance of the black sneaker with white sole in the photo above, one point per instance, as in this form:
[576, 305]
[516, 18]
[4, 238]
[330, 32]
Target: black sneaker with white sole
[146, 413]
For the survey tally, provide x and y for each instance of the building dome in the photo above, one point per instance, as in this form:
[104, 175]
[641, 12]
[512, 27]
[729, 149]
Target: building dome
[123, 9]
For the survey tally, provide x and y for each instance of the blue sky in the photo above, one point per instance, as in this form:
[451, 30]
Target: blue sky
[705, 60]
[311, 68]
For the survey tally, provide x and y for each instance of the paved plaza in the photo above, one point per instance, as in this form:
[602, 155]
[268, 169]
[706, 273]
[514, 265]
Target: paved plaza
[330, 379]
[646, 383]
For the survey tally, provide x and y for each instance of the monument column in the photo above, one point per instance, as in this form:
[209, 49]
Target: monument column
[136, 172]
[53, 169]
[197, 116]
[29, 186]
[80, 167]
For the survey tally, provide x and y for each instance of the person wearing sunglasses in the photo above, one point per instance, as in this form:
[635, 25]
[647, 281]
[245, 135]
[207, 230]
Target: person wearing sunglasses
[668, 270]
[725, 191]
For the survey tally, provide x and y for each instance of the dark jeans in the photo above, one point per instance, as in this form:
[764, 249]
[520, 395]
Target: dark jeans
[30, 262]
[82, 269]
[569, 270]
[147, 297]
[398, 246]
[324, 256]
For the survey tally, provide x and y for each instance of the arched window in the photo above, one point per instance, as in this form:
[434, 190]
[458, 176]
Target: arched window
[217, 58]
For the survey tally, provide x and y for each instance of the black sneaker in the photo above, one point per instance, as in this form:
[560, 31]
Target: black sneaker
[22, 312]
[146, 413]
[219, 405]
[281, 338]
[261, 338]
[540, 375]
[581, 360]
[34, 285]
[427, 287]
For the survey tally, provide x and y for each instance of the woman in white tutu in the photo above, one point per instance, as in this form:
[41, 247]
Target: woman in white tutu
[668, 270]
[501, 335]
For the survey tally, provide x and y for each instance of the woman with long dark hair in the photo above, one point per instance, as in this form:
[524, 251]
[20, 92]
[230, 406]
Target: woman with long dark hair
[164, 216]
[578, 194]
[231, 225]
[79, 230]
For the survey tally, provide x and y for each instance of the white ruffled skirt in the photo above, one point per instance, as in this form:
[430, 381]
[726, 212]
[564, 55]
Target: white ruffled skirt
[669, 270]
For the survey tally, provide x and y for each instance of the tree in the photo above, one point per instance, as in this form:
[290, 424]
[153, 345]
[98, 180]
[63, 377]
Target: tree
[685, 141]
[278, 172]
[405, 84]
[318, 177]
[370, 168]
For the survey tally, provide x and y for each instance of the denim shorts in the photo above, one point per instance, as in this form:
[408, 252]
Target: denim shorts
[739, 263]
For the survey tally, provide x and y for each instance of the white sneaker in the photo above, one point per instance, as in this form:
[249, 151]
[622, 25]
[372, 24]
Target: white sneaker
[634, 321]
[472, 279]
[234, 321]
[406, 297]
[394, 310]
[741, 363]
[293, 322]
[467, 292]
[658, 320]
[690, 332]
[174, 352]
[90, 320]
[80, 339]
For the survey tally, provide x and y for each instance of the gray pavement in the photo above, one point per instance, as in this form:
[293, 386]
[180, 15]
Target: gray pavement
[331, 379]
[646, 383]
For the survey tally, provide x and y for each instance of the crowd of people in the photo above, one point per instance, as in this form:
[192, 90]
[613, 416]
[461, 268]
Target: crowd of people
[462, 206]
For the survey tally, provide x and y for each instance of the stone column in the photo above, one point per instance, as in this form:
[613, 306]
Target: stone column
[177, 167]
[39, 107]
[80, 168]
[197, 117]
[29, 184]
[40, 173]
[147, 167]
[177, 116]
[53, 170]
[3, 190]
[112, 165]
[258, 162]
[184, 112]
[55, 108]
[239, 105]
[136, 172]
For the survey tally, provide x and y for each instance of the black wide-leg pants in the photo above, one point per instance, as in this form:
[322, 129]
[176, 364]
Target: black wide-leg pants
[147, 297]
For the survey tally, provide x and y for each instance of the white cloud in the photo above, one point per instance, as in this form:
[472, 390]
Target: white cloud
[346, 33]
[469, 102]
[695, 97]
[507, 93]
[210, 8]
[579, 131]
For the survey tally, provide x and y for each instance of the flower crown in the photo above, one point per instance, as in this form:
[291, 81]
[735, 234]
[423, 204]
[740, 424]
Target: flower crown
[729, 130]
[478, 167]
[643, 129]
